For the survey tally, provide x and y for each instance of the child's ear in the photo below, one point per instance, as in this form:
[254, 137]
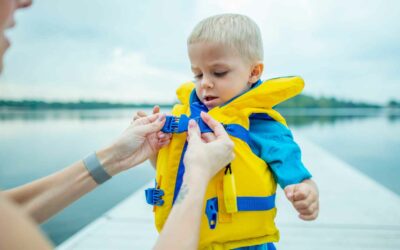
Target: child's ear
[256, 72]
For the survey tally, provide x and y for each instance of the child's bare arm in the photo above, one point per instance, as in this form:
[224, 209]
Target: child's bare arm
[304, 198]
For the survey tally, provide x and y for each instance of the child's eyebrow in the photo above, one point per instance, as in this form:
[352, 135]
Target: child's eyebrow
[212, 65]
[218, 64]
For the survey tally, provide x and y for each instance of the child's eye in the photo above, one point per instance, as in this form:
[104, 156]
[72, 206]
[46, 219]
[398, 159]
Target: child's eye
[199, 76]
[220, 74]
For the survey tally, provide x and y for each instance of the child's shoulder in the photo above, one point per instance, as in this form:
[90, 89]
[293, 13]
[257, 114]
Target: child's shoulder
[261, 123]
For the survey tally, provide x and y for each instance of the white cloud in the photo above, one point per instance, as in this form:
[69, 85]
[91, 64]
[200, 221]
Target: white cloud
[125, 51]
[131, 78]
[126, 77]
[346, 49]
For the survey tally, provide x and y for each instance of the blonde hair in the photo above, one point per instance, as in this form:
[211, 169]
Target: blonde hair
[234, 30]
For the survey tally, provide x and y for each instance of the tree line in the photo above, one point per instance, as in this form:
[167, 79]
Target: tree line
[301, 101]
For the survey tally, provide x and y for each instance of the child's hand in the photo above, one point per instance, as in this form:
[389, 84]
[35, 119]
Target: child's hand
[304, 198]
[156, 140]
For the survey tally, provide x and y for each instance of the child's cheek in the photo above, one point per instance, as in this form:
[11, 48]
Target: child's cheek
[198, 93]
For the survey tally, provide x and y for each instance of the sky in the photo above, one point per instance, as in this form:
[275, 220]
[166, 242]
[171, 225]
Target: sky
[135, 51]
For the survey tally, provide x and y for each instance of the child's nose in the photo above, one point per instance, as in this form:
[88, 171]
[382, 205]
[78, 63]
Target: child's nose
[206, 82]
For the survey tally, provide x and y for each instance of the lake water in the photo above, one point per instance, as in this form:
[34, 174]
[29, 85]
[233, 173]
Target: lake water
[36, 143]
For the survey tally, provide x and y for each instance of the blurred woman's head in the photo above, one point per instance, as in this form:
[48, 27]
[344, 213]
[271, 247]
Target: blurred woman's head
[7, 9]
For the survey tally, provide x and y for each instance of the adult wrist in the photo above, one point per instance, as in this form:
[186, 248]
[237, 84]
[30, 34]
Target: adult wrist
[107, 159]
[195, 181]
[96, 169]
[197, 173]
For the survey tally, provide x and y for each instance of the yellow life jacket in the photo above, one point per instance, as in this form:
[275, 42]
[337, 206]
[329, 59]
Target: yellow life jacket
[239, 204]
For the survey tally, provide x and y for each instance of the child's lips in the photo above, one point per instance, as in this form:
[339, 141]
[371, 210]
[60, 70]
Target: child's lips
[210, 101]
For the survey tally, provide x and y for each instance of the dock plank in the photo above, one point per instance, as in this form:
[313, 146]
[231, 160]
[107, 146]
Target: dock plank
[356, 213]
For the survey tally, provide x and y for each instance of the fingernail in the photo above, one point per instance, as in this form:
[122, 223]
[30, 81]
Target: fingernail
[161, 118]
[192, 123]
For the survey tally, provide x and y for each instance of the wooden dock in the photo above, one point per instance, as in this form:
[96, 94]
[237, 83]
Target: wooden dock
[356, 213]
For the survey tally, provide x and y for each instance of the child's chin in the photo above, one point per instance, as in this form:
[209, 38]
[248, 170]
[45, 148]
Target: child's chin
[211, 106]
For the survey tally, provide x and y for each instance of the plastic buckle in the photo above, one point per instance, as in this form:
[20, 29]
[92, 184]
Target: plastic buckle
[211, 212]
[175, 124]
[180, 124]
[153, 196]
[171, 124]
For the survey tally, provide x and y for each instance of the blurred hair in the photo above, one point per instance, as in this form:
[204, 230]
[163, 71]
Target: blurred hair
[234, 30]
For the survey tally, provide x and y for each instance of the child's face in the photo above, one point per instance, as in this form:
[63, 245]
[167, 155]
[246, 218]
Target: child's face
[220, 72]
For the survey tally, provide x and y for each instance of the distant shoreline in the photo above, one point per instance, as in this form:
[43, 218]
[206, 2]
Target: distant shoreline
[301, 101]
[79, 105]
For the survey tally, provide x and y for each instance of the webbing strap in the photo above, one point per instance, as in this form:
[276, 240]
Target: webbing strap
[256, 203]
[244, 203]
[238, 131]
[180, 124]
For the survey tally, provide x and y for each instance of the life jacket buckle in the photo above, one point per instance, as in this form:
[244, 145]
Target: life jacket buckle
[180, 124]
[153, 196]
[171, 124]
[211, 212]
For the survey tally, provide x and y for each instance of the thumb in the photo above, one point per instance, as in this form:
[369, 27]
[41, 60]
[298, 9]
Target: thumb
[193, 131]
[289, 192]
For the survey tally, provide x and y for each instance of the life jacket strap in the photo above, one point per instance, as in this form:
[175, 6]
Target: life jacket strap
[174, 124]
[238, 131]
[244, 203]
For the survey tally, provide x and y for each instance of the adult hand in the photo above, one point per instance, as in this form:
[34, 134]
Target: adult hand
[304, 198]
[158, 139]
[207, 157]
[134, 145]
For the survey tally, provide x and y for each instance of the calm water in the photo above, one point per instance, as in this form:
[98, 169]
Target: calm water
[36, 143]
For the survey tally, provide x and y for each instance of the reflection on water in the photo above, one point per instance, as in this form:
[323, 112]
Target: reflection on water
[306, 117]
[6, 115]
[36, 143]
[370, 142]
[297, 117]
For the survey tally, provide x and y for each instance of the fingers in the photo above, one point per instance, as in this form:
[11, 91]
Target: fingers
[299, 195]
[149, 124]
[193, 131]
[310, 215]
[163, 138]
[217, 127]
[309, 209]
[155, 117]
[139, 114]
[303, 204]
[208, 137]
[301, 192]
[304, 200]
[163, 143]
[289, 192]
[156, 109]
